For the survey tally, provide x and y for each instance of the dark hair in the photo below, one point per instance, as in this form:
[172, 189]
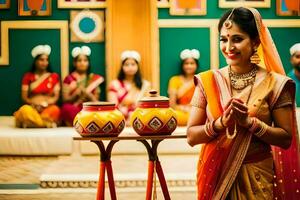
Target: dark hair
[244, 18]
[33, 66]
[88, 71]
[182, 63]
[137, 77]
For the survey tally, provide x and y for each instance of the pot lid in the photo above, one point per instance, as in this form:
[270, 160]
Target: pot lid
[154, 96]
[98, 103]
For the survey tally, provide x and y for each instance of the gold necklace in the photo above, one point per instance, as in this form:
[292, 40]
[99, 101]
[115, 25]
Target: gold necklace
[241, 81]
[228, 135]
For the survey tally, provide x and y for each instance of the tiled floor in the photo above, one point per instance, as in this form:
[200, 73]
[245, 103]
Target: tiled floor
[27, 170]
[175, 195]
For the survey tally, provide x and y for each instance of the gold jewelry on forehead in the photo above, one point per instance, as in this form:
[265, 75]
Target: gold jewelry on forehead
[228, 22]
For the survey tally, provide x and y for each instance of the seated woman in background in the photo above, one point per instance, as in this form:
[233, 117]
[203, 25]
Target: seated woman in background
[129, 87]
[181, 87]
[40, 92]
[80, 86]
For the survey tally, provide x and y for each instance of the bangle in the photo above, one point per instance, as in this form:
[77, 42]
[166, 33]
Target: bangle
[209, 130]
[263, 129]
[221, 120]
[254, 125]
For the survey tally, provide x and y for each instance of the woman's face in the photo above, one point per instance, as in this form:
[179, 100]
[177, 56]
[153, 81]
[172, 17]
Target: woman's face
[42, 62]
[295, 60]
[81, 64]
[189, 66]
[130, 67]
[236, 46]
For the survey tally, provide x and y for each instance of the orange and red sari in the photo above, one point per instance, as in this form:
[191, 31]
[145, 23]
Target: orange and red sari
[45, 85]
[245, 167]
[242, 168]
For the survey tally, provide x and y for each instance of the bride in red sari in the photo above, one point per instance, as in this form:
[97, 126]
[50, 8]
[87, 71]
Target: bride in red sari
[244, 115]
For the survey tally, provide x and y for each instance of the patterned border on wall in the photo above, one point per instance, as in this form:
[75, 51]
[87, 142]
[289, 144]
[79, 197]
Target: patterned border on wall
[62, 25]
[214, 34]
[118, 184]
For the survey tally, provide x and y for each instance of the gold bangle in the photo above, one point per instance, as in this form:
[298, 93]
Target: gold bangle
[221, 120]
[209, 131]
[263, 129]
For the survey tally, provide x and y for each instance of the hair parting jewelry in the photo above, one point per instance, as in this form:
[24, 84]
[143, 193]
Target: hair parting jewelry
[228, 22]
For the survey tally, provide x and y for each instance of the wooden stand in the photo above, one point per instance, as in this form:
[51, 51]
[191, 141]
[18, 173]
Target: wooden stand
[154, 166]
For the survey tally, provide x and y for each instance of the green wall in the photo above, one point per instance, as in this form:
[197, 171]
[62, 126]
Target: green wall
[22, 41]
[172, 41]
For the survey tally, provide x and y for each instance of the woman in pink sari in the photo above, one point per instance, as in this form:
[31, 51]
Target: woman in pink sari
[40, 92]
[244, 115]
[80, 86]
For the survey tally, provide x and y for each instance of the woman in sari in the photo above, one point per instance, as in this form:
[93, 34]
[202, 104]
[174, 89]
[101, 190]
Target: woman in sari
[40, 92]
[80, 86]
[181, 87]
[129, 87]
[244, 115]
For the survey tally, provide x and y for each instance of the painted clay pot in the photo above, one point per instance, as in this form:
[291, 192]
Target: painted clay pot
[99, 119]
[153, 116]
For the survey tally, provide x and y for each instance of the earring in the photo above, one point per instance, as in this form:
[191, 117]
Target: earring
[255, 59]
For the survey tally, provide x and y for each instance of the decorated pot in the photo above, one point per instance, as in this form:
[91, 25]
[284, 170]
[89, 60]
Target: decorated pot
[153, 116]
[99, 119]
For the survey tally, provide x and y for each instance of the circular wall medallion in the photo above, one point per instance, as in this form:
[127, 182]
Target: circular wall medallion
[87, 25]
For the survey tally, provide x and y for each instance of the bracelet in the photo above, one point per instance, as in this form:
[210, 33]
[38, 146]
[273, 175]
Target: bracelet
[209, 130]
[263, 129]
[221, 120]
[254, 125]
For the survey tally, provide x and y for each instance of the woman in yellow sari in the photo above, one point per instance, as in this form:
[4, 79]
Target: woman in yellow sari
[40, 92]
[244, 115]
[181, 87]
